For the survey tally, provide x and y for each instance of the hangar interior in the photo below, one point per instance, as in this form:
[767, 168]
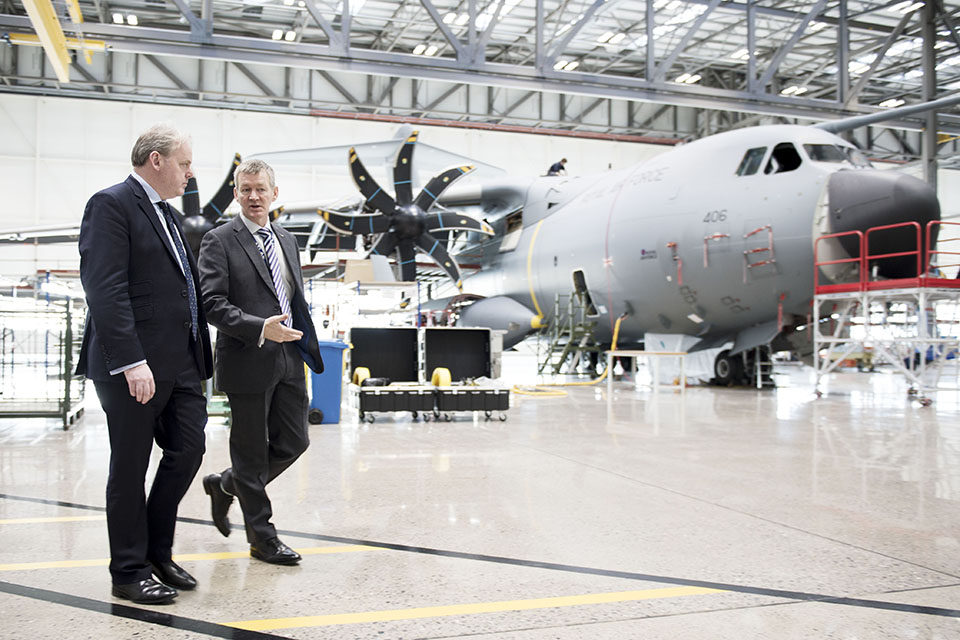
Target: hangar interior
[822, 501]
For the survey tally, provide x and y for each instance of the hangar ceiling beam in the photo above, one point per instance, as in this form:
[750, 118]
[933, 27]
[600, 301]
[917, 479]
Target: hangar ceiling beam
[338, 42]
[447, 34]
[945, 17]
[339, 87]
[90, 77]
[267, 91]
[574, 29]
[785, 48]
[878, 58]
[171, 76]
[200, 30]
[664, 67]
[446, 94]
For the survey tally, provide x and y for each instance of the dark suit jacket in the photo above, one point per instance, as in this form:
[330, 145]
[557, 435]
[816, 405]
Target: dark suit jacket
[238, 295]
[136, 291]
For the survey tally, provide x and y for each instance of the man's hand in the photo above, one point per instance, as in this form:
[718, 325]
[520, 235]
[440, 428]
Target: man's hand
[141, 384]
[274, 330]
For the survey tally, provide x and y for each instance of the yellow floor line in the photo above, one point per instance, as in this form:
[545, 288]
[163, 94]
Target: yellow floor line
[180, 557]
[468, 609]
[60, 519]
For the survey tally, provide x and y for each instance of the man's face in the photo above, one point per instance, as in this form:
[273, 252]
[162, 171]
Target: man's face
[255, 196]
[172, 171]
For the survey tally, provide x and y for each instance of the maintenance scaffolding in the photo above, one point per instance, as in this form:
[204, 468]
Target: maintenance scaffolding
[911, 323]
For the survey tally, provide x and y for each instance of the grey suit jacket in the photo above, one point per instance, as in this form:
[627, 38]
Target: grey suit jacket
[238, 295]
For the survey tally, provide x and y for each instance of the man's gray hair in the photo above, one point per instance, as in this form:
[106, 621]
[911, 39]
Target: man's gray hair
[164, 138]
[253, 167]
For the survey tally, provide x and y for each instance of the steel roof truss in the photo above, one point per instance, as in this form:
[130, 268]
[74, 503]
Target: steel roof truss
[788, 45]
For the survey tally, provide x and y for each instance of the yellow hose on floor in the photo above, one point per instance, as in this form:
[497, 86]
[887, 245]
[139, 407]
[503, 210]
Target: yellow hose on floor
[546, 392]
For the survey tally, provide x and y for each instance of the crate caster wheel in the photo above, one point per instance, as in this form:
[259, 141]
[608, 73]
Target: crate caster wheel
[371, 418]
[436, 414]
[488, 414]
[414, 415]
[426, 417]
[448, 417]
[503, 417]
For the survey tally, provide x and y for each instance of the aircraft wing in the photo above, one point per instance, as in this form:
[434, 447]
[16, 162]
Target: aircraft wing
[46, 234]
[430, 160]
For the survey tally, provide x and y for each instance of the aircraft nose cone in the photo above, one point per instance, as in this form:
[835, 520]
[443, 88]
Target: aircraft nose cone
[860, 200]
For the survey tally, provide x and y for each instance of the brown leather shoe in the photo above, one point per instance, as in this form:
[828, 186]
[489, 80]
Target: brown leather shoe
[275, 552]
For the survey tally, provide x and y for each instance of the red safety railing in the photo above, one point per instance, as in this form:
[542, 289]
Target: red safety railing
[935, 278]
[873, 258]
[839, 287]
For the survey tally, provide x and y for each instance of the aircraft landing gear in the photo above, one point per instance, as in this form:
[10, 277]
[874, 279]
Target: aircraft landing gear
[728, 369]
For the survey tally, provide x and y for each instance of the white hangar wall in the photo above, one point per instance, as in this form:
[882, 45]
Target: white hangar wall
[56, 152]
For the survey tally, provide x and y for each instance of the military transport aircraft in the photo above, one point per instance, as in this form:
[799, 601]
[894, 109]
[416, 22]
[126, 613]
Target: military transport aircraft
[713, 239]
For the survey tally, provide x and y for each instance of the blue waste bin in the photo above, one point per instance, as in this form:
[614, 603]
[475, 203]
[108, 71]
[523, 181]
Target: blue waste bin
[326, 386]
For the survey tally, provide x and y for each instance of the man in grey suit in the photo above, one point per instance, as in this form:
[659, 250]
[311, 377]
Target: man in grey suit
[253, 294]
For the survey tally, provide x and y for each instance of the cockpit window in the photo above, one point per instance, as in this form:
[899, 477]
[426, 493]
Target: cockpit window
[784, 158]
[825, 153]
[858, 159]
[836, 153]
[751, 161]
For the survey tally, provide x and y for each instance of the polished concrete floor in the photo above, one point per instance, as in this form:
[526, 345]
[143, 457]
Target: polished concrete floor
[718, 513]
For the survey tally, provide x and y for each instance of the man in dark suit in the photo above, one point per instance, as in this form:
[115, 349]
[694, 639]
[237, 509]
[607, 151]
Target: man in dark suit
[253, 294]
[146, 348]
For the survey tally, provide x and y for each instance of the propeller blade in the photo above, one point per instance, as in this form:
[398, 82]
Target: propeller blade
[355, 224]
[438, 252]
[224, 195]
[453, 221]
[403, 170]
[190, 201]
[376, 197]
[430, 193]
[408, 261]
[386, 245]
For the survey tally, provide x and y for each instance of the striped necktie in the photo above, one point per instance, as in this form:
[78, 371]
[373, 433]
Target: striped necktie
[187, 271]
[273, 261]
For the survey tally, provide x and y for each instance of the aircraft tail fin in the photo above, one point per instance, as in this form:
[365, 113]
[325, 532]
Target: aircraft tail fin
[224, 195]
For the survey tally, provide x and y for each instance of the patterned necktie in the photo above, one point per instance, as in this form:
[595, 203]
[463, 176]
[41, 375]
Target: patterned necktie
[273, 261]
[187, 271]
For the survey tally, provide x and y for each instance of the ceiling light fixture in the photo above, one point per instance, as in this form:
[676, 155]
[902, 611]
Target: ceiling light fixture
[118, 18]
[290, 36]
[892, 102]
[132, 20]
[277, 34]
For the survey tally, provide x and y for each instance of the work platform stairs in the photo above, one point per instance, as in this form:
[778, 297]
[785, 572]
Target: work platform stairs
[569, 336]
[911, 323]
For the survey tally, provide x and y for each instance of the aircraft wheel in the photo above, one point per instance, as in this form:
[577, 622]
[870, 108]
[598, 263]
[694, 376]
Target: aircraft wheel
[727, 369]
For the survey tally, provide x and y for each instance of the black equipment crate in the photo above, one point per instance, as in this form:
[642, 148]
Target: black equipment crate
[388, 352]
[414, 399]
[465, 352]
[472, 399]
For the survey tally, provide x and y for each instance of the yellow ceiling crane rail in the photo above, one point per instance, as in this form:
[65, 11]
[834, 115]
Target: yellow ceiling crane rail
[48, 29]
[31, 40]
[76, 15]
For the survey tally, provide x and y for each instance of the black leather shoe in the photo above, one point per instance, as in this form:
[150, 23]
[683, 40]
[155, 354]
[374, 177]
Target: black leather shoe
[147, 591]
[275, 552]
[170, 573]
[220, 502]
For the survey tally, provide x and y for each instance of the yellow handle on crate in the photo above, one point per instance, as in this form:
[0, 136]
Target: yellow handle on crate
[440, 377]
[360, 374]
